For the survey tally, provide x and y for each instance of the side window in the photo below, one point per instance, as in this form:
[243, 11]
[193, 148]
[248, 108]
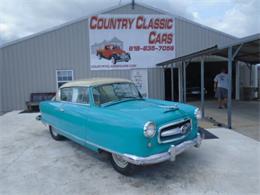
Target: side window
[66, 94]
[82, 95]
[96, 96]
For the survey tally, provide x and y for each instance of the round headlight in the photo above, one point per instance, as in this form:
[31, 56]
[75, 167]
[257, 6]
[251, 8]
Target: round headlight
[197, 113]
[149, 129]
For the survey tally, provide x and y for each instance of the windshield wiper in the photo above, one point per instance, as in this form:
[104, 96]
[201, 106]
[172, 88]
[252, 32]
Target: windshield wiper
[121, 100]
[130, 97]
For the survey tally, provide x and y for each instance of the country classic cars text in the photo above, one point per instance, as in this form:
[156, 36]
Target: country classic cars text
[137, 23]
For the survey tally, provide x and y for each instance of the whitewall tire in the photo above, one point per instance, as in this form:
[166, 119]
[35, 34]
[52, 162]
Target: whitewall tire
[121, 165]
[55, 135]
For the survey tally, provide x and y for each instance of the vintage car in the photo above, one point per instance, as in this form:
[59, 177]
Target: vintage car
[114, 53]
[110, 115]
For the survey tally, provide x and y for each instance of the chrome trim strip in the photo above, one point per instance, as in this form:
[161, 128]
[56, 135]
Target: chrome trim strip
[171, 132]
[67, 102]
[170, 124]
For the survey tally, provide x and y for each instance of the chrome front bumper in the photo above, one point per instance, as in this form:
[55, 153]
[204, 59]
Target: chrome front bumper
[170, 155]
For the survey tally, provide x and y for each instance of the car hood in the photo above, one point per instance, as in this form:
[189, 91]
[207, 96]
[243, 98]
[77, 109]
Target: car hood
[157, 111]
[118, 51]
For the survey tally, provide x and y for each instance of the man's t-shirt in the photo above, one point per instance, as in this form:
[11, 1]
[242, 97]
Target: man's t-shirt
[222, 80]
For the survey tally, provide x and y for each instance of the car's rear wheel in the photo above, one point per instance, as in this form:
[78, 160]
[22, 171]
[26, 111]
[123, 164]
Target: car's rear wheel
[121, 165]
[128, 57]
[55, 135]
[113, 59]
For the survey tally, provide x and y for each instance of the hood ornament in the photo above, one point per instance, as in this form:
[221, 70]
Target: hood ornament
[169, 107]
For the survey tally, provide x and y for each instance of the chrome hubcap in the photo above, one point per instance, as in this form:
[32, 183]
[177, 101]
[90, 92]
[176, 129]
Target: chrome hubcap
[113, 60]
[119, 160]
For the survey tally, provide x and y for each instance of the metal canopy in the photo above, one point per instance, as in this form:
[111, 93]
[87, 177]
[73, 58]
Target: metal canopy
[246, 50]
[249, 51]
[188, 57]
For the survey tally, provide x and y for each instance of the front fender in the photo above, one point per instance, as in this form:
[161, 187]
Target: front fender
[114, 132]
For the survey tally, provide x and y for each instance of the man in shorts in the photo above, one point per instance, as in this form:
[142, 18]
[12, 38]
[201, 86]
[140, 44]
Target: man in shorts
[221, 88]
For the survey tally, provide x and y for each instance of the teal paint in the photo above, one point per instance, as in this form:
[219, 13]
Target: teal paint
[119, 127]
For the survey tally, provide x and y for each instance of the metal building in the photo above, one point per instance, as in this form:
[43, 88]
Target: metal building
[31, 64]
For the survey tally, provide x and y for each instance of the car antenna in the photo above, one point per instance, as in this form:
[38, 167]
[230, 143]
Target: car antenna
[133, 4]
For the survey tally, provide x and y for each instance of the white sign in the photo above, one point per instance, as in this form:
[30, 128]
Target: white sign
[140, 79]
[130, 41]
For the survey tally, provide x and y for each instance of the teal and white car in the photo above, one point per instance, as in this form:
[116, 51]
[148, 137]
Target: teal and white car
[110, 115]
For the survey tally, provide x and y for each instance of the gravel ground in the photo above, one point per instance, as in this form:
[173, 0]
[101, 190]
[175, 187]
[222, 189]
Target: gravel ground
[32, 163]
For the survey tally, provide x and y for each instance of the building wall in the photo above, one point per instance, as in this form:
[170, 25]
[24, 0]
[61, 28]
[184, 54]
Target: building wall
[245, 76]
[258, 77]
[191, 37]
[1, 81]
[30, 65]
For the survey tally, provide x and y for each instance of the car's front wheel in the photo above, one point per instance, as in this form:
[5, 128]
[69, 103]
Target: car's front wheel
[99, 56]
[121, 165]
[55, 135]
[129, 57]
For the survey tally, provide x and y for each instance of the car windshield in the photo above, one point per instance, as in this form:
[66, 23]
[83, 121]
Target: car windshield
[114, 93]
[116, 47]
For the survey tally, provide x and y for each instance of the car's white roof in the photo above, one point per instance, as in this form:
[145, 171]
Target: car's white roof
[94, 82]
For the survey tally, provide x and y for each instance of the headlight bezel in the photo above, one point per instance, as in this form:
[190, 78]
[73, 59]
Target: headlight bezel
[197, 114]
[147, 132]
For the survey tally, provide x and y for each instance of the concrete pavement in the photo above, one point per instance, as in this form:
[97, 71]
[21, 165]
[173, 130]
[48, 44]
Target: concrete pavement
[32, 163]
[245, 116]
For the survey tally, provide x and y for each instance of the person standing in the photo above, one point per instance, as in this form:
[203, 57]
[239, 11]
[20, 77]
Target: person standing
[221, 88]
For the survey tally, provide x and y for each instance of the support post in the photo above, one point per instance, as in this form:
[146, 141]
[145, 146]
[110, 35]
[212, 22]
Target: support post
[180, 82]
[229, 103]
[172, 83]
[250, 76]
[237, 80]
[202, 87]
[133, 4]
[184, 82]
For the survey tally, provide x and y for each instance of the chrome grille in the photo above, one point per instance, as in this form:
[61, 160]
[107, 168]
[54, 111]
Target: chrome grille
[174, 131]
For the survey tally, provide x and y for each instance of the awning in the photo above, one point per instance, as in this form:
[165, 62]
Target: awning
[249, 51]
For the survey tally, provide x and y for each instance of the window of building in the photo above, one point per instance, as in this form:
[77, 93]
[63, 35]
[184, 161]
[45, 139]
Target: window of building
[63, 76]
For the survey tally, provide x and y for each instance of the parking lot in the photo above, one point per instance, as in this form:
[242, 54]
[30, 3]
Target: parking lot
[33, 163]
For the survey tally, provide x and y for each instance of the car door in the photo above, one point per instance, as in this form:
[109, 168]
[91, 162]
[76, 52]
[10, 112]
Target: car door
[75, 113]
[65, 99]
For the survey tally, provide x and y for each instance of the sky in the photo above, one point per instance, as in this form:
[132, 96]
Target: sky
[20, 18]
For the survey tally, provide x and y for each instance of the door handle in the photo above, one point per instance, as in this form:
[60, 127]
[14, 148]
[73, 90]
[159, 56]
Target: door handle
[61, 109]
